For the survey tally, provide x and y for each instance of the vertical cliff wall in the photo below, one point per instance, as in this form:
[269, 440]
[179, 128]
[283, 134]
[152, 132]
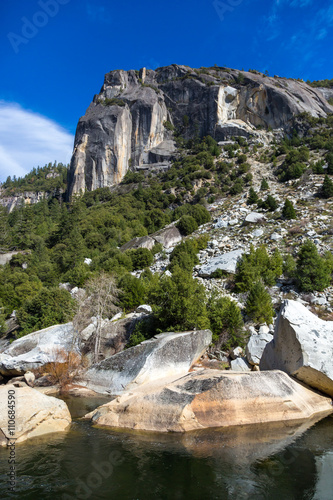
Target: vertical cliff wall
[126, 125]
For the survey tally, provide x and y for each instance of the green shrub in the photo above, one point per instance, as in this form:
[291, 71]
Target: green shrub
[264, 185]
[179, 302]
[288, 211]
[258, 265]
[225, 315]
[49, 307]
[141, 258]
[313, 271]
[259, 304]
[187, 225]
[252, 197]
[326, 190]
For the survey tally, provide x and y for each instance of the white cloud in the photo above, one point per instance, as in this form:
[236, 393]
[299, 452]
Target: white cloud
[28, 140]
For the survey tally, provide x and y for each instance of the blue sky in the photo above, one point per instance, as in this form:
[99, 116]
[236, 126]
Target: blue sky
[54, 54]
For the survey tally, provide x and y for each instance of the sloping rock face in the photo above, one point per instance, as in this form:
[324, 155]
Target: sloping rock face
[302, 346]
[213, 398]
[36, 414]
[36, 349]
[166, 355]
[124, 126]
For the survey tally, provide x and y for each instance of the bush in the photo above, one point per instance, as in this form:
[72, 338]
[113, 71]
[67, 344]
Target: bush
[269, 204]
[252, 197]
[288, 211]
[141, 258]
[49, 307]
[313, 271]
[257, 265]
[225, 315]
[264, 185]
[179, 302]
[326, 190]
[64, 369]
[185, 256]
[132, 292]
[187, 225]
[259, 304]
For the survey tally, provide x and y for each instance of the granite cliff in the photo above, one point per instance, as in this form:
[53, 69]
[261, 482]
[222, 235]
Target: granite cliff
[130, 122]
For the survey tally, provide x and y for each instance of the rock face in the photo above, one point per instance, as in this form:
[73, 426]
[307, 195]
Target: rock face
[125, 125]
[213, 398]
[36, 349]
[36, 414]
[168, 237]
[225, 262]
[302, 346]
[166, 355]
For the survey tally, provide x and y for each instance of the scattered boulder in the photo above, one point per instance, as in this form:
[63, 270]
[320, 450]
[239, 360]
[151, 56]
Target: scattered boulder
[167, 354]
[36, 349]
[240, 365]
[237, 352]
[30, 378]
[168, 237]
[225, 262]
[213, 398]
[36, 414]
[144, 308]
[135, 243]
[302, 346]
[254, 218]
[255, 347]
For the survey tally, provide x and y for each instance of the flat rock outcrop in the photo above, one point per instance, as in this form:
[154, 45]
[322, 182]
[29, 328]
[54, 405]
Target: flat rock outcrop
[129, 123]
[36, 349]
[35, 415]
[302, 346]
[211, 399]
[165, 355]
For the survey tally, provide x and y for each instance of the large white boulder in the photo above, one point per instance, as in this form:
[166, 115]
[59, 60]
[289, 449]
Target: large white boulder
[36, 349]
[302, 346]
[255, 347]
[254, 218]
[35, 414]
[213, 398]
[226, 262]
[165, 355]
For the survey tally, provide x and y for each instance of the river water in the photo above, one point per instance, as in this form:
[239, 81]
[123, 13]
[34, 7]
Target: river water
[281, 462]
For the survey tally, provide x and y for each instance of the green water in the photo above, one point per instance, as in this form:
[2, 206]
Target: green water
[276, 462]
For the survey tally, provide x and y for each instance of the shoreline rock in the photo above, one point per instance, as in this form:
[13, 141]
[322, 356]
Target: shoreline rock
[213, 399]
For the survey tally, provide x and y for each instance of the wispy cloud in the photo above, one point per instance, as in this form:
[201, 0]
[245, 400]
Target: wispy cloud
[28, 139]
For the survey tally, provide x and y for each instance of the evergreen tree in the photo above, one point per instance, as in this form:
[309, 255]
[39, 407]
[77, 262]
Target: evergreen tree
[252, 197]
[326, 190]
[329, 159]
[288, 211]
[224, 315]
[259, 304]
[264, 185]
[313, 271]
[179, 302]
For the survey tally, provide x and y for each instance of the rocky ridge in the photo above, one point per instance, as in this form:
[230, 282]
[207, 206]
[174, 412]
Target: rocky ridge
[129, 124]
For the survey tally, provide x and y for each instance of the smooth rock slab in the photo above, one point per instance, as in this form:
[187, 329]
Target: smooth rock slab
[35, 414]
[167, 354]
[213, 398]
[255, 347]
[254, 218]
[302, 346]
[226, 262]
[36, 349]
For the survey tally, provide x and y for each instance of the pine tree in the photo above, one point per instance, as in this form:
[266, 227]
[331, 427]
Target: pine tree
[259, 304]
[264, 185]
[252, 197]
[288, 211]
[326, 190]
[313, 271]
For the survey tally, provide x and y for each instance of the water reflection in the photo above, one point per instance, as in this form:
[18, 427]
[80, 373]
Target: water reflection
[271, 462]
